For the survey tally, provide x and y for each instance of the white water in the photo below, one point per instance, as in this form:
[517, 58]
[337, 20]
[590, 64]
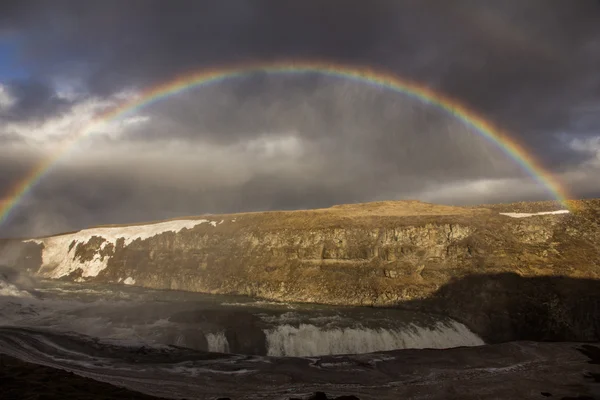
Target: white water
[217, 343]
[10, 290]
[308, 340]
[131, 320]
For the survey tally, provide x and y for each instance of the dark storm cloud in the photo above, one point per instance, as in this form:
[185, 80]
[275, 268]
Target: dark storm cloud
[12, 12]
[78, 198]
[33, 100]
[140, 42]
[362, 128]
[524, 64]
[531, 67]
[101, 193]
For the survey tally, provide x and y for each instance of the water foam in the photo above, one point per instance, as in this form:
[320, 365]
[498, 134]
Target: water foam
[135, 322]
[10, 290]
[309, 340]
[13, 283]
[217, 342]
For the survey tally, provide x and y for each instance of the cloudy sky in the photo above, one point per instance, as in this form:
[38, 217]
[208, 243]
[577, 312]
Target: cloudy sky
[264, 141]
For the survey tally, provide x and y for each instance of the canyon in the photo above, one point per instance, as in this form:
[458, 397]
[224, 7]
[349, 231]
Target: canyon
[522, 271]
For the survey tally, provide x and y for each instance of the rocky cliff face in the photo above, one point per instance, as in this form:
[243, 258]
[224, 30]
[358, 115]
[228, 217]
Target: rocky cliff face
[378, 254]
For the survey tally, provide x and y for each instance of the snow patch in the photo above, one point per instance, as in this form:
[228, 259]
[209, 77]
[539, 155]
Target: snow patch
[129, 281]
[525, 215]
[59, 259]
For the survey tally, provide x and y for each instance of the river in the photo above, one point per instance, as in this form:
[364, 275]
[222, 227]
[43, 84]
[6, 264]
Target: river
[137, 337]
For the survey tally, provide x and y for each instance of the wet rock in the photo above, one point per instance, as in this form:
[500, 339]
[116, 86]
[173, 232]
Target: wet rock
[243, 330]
[187, 337]
[21, 380]
[246, 336]
[516, 370]
[323, 396]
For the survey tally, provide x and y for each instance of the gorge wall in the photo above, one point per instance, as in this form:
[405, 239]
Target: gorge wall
[499, 273]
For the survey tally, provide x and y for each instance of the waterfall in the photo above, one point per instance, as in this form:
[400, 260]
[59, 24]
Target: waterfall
[217, 342]
[310, 340]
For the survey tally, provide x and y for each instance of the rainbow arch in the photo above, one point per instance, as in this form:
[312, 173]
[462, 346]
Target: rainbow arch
[361, 74]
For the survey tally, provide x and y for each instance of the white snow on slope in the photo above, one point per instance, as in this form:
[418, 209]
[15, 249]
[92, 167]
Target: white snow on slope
[58, 257]
[129, 281]
[525, 215]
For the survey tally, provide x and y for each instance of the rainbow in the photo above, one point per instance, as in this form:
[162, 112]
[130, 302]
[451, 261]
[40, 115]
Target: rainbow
[365, 75]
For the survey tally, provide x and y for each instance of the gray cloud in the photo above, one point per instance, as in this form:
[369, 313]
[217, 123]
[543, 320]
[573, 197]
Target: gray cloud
[266, 142]
[32, 100]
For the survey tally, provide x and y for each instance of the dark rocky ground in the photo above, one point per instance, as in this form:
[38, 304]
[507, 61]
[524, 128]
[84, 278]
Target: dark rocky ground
[20, 380]
[518, 370]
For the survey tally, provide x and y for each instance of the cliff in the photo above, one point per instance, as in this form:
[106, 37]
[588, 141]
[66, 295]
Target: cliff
[472, 263]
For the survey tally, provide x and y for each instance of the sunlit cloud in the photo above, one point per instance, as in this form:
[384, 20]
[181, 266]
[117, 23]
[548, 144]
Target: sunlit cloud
[81, 119]
[589, 146]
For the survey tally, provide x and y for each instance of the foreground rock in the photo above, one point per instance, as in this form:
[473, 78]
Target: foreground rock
[496, 273]
[21, 380]
[522, 370]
